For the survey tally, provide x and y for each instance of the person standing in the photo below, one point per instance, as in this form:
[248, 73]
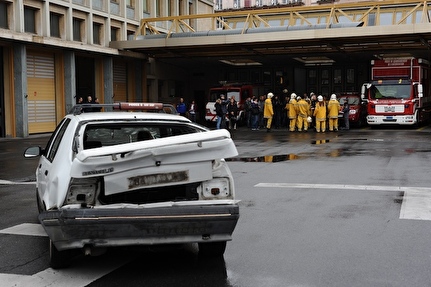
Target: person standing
[291, 109]
[223, 103]
[320, 114]
[192, 111]
[303, 110]
[247, 112]
[346, 112]
[255, 112]
[182, 107]
[97, 109]
[284, 115]
[278, 110]
[219, 113]
[261, 103]
[88, 102]
[313, 102]
[268, 111]
[232, 113]
[333, 110]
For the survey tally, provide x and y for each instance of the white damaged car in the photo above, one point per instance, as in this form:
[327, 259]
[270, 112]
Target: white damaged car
[134, 178]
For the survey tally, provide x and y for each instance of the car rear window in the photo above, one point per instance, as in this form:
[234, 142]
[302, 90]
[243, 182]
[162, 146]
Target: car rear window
[98, 135]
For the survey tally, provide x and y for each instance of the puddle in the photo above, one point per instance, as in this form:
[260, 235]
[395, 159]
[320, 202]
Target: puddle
[317, 142]
[267, 158]
[291, 156]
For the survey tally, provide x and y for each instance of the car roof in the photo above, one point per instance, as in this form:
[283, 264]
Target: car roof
[90, 116]
[126, 111]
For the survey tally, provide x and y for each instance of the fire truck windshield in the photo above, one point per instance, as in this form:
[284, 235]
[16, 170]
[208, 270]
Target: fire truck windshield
[390, 91]
[216, 94]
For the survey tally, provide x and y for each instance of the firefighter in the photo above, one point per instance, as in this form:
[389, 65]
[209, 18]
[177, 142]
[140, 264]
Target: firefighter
[303, 110]
[291, 110]
[320, 114]
[333, 110]
[268, 111]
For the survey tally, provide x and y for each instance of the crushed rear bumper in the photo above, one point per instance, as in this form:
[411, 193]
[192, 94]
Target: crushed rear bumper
[105, 227]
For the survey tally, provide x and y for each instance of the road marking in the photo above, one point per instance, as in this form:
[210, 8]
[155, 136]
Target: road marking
[75, 276]
[8, 182]
[30, 229]
[416, 203]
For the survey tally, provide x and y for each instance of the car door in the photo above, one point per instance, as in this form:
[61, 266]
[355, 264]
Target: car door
[44, 168]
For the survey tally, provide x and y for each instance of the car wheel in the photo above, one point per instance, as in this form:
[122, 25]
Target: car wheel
[212, 249]
[58, 259]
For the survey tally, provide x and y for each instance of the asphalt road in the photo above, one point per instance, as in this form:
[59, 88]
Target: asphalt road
[351, 208]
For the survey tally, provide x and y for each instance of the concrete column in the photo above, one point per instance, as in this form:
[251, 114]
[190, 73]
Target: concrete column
[69, 80]
[108, 79]
[20, 87]
[139, 66]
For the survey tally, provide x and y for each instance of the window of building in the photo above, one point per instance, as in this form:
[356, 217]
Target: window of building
[130, 34]
[146, 6]
[77, 29]
[219, 4]
[130, 3]
[158, 8]
[114, 34]
[54, 23]
[29, 20]
[3, 16]
[96, 33]
[236, 4]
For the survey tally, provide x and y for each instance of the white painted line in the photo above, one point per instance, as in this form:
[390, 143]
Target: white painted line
[30, 229]
[74, 276]
[8, 182]
[329, 186]
[416, 202]
[416, 205]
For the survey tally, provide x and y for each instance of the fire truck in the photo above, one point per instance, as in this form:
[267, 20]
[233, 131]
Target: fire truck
[237, 90]
[399, 93]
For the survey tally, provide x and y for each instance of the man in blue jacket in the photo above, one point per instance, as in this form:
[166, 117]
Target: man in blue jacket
[182, 107]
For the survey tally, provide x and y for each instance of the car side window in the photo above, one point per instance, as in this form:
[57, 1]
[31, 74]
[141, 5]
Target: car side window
[55, 140]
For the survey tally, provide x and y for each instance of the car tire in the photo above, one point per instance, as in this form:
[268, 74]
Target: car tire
[212, 249]
[59, 259]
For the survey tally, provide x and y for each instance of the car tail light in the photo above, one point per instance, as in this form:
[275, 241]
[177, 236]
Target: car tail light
[82, 191]
[216, 188]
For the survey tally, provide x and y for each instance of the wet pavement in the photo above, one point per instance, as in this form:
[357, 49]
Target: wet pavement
[253, 146]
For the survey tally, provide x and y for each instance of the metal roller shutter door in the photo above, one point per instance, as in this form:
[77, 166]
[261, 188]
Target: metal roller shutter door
[41, 93]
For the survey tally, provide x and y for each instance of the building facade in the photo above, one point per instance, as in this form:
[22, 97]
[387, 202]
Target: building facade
[53, 52]
[220, 5]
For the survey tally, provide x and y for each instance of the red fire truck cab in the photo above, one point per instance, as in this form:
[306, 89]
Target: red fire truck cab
[399, 92]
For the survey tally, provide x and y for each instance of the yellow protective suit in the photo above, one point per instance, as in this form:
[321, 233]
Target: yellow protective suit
[303, 110]
[320, 115]
[292, 114]
[268, 112]
[333, 110]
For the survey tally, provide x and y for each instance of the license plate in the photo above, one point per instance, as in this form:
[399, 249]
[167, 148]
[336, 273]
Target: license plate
[389, 118]
[157, 178]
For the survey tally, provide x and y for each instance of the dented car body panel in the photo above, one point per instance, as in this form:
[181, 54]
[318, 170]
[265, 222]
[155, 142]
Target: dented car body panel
[101, 183]
[104, 227]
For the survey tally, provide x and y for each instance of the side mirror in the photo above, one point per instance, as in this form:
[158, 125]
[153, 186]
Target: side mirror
[420, 91]
[33, 151]
[363, 90]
